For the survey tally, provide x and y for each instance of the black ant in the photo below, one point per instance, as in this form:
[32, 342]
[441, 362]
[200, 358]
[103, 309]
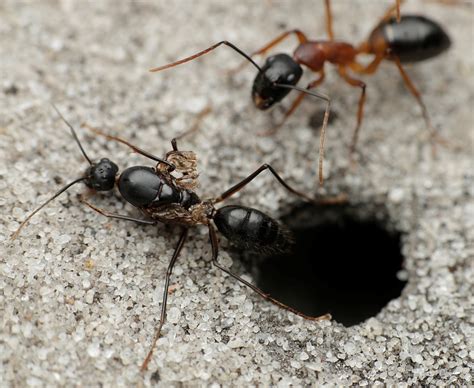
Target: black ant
[165, 198]
[412, 39]
[99, 176]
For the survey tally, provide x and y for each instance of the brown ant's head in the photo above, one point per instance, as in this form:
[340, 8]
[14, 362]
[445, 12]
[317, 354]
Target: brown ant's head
[101, 176]
[278, 69]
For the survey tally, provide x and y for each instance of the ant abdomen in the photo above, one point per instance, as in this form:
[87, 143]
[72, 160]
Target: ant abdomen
[251, 230]
[415, 38]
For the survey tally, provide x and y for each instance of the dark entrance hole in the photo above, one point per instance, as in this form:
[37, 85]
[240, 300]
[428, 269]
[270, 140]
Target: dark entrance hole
[345, 262]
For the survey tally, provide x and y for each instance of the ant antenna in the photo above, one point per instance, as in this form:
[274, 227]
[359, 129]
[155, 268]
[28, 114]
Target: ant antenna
[203, 52]
[62, 190]
[322, 137]
[73, 132]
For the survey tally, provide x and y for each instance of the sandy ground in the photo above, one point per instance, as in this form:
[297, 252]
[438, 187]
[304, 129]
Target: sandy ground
[80, 294]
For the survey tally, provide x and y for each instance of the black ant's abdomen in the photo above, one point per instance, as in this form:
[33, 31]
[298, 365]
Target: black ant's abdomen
[144, 187]
[414, 39]
[252, 230]
[279, 68]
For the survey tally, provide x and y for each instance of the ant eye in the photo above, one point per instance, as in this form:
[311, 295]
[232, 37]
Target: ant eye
[290, 78]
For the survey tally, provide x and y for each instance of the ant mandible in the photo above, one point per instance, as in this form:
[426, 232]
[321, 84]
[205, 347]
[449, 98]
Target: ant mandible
[412, 39]
[164, 198]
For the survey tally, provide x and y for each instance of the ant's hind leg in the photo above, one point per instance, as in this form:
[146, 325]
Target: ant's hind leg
[215, 253]
[434, 135]
[169, 271]
[360, 112]
[415, 92]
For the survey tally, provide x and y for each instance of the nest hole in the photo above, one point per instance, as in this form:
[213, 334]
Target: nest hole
[345, 262]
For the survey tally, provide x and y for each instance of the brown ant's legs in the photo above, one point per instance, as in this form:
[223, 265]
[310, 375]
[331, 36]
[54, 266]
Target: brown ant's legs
[393, 9]
[117, 216]
[197, 121]
[329, 29]
[293, 106]
[301, 39]
[414, 91]
[300, 35]
[371, 67]
[360, 113]
[237, 187]
[169, 271]
[215, 253]
[133, 147]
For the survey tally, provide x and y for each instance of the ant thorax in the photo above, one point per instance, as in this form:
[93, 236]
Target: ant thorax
[185, 173]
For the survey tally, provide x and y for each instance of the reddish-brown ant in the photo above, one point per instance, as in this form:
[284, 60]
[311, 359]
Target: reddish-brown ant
[412, 39]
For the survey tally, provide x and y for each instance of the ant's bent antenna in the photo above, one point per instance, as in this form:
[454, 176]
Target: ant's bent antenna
[325, 122]
[73, 132]
[62, 190]
[203, 52]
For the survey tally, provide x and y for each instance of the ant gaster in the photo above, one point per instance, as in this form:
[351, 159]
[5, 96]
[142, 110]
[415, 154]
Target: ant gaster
[410, 39]
[170, 199]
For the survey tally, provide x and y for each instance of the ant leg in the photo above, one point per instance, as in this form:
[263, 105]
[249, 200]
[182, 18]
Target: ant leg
[237, 187]
[414, 91]
[197, 121]
[371, 67]
[329, 29]
[293, 106]
[300, 35]
[215, 253]
[360, 113]
[118, 216]
[133, 147]
[393, 9]
[169, 271]
[280, 38]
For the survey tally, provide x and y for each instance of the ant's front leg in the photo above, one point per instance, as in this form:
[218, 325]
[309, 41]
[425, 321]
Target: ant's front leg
[118, 216]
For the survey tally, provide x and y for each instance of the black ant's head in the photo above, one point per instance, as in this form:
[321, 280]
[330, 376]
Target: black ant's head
[101, 175]
[281, 69]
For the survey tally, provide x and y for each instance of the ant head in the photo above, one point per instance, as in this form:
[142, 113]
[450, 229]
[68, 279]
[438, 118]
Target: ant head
[101, 176]
[281, 69]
